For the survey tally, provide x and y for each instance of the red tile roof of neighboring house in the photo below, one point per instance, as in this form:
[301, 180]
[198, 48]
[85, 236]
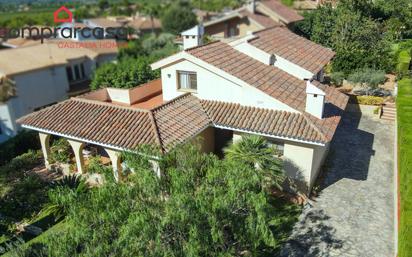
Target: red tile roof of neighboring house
[145, 23]
[301, 51]
[288, 14]
[269, 79]
[260, 18]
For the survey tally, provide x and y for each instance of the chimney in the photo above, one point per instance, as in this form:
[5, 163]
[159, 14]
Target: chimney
[315, 100]
[193, 37]
[251, 6]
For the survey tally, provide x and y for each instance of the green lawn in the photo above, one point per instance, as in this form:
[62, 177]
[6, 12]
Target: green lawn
[404, 106]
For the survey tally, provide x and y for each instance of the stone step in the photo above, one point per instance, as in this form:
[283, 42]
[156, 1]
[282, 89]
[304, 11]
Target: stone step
[388, 118]
[388, 108]
[389, 111]
[389, 114]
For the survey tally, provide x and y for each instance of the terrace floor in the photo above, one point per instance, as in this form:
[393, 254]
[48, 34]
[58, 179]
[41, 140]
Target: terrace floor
[354, 212]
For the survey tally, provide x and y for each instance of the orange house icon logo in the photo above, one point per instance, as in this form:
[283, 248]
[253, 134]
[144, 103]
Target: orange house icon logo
[63, 9]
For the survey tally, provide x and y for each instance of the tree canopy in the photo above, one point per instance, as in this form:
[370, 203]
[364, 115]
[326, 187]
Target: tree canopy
[178, 17]
[360, 32]
[127, 73]
[200, 206]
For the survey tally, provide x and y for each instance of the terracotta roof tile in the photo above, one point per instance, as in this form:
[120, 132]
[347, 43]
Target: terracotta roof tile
[101, 122]
[179, 120]
[265, 121]
[260, 18]
[289, 15]
[269, 79]
[301, 51]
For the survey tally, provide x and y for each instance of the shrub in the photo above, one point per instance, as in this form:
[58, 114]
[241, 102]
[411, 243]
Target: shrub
[60, 151]
[368, 77]
[337, 78]
[21, 143]
[26, 161]
[127, 73]
[367, 100]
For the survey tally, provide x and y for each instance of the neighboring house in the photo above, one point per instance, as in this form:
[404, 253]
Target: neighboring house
[74, 32]
[254, 16]
[105, 23]
[143, 24]
[43, 75]
[218, 92]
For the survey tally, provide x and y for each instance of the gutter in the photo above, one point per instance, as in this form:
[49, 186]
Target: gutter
[269, 135]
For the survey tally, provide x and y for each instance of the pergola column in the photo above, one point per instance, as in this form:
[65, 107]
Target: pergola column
[78, 153]
[116, 163]
[45, 146]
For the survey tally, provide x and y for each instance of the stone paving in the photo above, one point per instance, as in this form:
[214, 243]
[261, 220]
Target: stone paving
[354, 212]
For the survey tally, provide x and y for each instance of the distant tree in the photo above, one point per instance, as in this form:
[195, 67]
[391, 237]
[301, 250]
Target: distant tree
[103, 4]
[358, 40]
[178, 17]
[151, 8]
[127, 73]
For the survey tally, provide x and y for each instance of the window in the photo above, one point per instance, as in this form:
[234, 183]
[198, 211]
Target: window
[69, 73]
[187, 80]
[82, 70]
[75, 72]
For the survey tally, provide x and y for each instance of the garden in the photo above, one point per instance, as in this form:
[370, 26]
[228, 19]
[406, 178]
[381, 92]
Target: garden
[201, 205]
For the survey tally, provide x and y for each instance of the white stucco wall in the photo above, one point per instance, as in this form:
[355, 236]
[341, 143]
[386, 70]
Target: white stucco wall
[254, 52]
[292, 69]
[303, 161]
[211, 86]
[34, 89]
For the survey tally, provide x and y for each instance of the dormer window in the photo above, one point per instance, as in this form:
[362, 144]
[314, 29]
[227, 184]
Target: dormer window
[187, 81]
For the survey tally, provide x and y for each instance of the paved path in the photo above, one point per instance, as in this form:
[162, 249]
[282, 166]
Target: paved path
[354, 213]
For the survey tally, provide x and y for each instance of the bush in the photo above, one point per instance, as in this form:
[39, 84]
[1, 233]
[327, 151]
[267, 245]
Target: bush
[337, 78]
[21, 143]
[368, 77]
[127, 73]
[60, 151]
[178, 18]
[366, 100]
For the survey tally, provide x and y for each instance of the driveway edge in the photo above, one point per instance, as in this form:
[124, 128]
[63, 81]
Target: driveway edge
[396, 190]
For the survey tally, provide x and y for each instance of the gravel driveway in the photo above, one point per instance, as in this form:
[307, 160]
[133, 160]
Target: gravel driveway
[354, 213]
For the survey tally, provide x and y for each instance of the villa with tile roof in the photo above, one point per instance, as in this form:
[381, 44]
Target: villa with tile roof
[255, 15]
[44, 74]
[218, 92]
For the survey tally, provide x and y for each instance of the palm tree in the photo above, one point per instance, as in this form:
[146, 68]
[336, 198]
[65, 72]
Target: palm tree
[256, 152]
[151, 8]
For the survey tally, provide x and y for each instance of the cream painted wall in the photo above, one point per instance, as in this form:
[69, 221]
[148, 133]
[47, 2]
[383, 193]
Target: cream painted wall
[211, 86]
[207, 138]
[303, 161]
